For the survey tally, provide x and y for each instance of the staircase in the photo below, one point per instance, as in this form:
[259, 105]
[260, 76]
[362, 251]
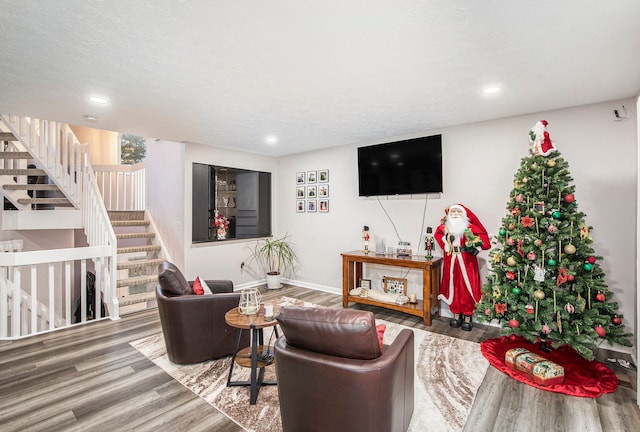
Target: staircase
[24, 185]
[43, 166]
[138, 260]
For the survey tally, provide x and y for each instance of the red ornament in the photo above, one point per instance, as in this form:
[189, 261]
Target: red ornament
[531, 256]
[546, 329]
[513, 323]
[600, 330]
[569, 198]
[511, 241]
[616, 320]
[569, 308]
[515, 211]
[530, 309]
[519, 198]
[591, 260]
[512, 337]
[570, 278]
[510, 275]
[600, 297]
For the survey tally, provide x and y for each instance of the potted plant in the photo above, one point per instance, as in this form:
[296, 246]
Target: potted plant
[275, 256]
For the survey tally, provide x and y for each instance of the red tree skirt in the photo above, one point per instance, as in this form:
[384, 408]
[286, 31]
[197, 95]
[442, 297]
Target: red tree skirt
[582, 377]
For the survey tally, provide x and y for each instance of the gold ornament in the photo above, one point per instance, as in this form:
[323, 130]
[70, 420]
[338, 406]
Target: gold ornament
[511, 261]
[538, 295]
[569, 249]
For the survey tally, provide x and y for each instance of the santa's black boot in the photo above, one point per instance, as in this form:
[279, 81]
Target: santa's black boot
[456, 321]
[466, 323]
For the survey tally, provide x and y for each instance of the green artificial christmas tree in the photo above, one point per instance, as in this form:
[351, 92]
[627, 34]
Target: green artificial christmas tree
[545, 279]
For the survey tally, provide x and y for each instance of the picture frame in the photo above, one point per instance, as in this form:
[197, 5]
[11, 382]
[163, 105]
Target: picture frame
[311, 206]
[300, 192]
[395, 285]
[300, 206]
[323, 206]
[323, 191]
[323, 176]
[300, 178]
[311, 192]
[365, 283]
[312, 177]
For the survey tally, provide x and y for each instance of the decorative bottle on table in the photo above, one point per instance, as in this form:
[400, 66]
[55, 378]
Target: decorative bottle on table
[365, 240]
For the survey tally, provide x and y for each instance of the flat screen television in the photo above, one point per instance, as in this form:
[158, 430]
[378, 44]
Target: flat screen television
[407, 167]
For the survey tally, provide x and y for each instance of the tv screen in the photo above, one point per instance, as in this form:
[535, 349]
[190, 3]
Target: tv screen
[407, 167]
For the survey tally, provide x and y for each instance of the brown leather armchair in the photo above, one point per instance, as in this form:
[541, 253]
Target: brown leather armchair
[333, 376]
[193, 325]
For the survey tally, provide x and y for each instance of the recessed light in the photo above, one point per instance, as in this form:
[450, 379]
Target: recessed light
[99, 100]
[491, 90]
[271, 139]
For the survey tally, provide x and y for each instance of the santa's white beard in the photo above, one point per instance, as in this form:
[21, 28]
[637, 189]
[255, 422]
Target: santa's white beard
[456, 226]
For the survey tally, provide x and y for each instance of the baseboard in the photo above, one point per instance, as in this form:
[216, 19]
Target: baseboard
[324, 288]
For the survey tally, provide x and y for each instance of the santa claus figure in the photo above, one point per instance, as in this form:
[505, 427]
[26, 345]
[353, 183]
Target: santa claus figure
[539, 139]
[460, 234]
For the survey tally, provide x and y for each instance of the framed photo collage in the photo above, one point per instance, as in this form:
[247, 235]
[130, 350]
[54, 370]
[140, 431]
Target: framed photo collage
[312, 191]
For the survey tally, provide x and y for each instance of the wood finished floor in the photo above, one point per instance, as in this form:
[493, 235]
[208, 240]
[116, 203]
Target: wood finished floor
[90, 378]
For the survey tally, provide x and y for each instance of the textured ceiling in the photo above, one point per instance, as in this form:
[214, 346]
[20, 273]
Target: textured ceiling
[313, 74]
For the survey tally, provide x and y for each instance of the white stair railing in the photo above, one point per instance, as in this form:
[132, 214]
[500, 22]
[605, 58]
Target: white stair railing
[47, 276]
[55, 149]
[123, 187]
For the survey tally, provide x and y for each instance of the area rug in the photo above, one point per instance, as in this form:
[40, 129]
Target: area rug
[448, 373]
[582, 377]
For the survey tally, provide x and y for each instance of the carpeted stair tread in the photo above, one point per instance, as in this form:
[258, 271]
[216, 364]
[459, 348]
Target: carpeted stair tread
[120, 215]
[9, 136]
[23, 171]
[14, 154]
[139, 264]
[148, 248]
[135, 235]
[122, 223]
[43, 201]
[138, 280]
[30, 186]
[137, 298]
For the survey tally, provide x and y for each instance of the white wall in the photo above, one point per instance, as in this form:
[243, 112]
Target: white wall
[479, 163]
[165, 194]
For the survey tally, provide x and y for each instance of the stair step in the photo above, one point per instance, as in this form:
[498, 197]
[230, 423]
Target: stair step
[7, 136]
[120, 215]
[40, 187]
[135, 235]
[139, 264]
[14, 154]
[137, 280]
[148, 248]
[129, 223]
[43, 201]
[23, 171]
[137, 298]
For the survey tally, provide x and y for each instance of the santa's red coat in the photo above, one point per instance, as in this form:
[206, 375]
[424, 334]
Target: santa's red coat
[452, 271]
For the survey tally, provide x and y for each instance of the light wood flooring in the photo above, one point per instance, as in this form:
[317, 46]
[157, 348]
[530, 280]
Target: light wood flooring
[90, 378]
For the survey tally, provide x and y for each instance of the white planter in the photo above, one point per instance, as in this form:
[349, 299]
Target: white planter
[273, 281]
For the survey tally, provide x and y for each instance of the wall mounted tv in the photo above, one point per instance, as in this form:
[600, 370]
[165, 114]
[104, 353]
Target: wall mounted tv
[407, 167]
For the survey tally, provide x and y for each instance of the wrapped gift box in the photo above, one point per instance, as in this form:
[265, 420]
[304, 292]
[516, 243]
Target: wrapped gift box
[540, 370]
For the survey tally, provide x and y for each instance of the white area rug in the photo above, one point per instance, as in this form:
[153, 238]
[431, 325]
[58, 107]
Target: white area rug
[448, 374]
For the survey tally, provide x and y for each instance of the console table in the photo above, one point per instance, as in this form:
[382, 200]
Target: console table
[352, 273]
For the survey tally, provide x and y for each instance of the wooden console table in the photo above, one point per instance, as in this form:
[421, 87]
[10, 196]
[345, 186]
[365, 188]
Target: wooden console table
[352, 273]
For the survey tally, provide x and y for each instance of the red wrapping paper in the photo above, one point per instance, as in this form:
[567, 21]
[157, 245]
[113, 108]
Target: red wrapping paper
[582, 378]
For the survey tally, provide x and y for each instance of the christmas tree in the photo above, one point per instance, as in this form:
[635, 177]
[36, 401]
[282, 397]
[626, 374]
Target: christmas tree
[545, 279]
